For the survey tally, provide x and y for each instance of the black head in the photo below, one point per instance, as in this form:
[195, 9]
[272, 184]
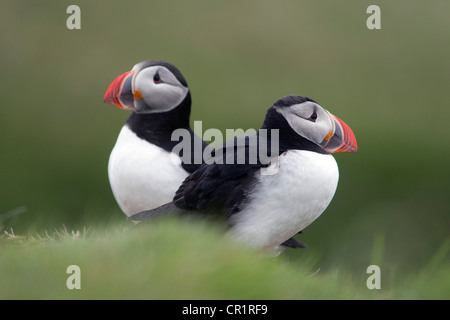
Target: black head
[304, 124]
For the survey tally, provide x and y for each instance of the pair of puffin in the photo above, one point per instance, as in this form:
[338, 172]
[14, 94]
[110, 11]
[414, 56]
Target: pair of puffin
[263, 211]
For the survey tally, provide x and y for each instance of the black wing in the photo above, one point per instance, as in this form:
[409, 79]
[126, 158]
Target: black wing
[195, 160]
[226, 181]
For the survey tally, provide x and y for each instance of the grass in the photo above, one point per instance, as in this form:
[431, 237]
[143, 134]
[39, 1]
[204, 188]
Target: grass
[187, 260]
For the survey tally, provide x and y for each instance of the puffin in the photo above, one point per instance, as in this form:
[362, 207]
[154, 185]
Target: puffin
[143, 169]
[268, 196]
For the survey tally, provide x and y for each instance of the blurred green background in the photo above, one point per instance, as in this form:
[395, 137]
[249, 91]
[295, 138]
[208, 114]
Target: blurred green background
[392, 86]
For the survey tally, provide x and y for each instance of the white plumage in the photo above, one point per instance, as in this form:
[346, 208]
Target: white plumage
[142, 175]
[288, 201]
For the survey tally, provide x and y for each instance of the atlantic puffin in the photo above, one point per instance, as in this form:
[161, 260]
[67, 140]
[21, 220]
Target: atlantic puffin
[268, 202]
[143, 171]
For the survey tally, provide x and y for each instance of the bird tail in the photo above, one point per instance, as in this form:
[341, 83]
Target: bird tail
[168, 208]
[294, 243]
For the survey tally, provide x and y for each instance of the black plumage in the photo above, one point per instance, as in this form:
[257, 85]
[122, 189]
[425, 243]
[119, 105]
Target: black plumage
[157, 129]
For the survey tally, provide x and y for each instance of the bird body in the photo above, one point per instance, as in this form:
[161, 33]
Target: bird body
[143, 170]
[143, 175]
[268, 202]
[282, 204]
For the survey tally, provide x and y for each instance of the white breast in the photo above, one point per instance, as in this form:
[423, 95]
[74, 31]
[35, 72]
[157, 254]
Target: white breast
[142, 175]
[287, 201]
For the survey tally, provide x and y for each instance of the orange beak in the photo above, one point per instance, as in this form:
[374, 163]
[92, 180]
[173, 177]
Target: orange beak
[120, 92]
[341, 139]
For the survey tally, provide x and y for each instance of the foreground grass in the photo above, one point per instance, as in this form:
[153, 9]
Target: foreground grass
[189, 260]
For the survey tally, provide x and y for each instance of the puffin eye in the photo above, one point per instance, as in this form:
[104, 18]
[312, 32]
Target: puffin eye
[157, 78]
[313, 117]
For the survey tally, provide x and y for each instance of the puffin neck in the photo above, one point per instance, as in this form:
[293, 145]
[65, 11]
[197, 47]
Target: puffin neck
[288, 138]
[157, 128]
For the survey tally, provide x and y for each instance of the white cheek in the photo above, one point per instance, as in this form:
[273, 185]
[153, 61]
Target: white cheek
[307, 129]
[163, 97]
[158, 97]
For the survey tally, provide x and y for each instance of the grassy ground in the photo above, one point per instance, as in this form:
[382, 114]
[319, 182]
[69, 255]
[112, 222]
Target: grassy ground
[187, 260]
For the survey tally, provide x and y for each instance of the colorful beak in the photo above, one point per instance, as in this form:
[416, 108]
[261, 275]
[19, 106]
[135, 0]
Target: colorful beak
[341, 140]
[120, 93]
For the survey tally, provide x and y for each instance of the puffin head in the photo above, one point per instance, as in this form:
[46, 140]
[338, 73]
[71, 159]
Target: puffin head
[314, 123]
[152, 86]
